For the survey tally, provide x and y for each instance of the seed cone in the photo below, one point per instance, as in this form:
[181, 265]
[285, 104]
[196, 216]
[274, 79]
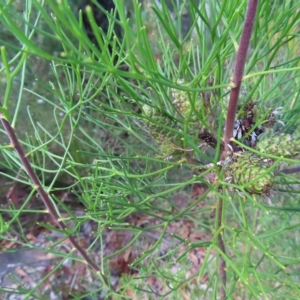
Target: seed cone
[285, 145]
[246, 167]
[167, 140]
[184, 105]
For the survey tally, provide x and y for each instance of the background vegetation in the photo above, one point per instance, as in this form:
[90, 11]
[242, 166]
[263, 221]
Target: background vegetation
[144, 212]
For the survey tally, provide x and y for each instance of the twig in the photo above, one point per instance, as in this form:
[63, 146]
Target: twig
[289, 171]
[44, 196]
[238, 72]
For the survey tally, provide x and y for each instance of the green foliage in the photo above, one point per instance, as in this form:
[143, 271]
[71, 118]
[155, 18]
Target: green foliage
[107, 131]
[249, 170]
[285, 145]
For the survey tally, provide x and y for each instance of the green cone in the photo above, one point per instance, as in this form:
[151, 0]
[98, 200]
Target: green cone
[167, 140]
[183, 104]
[284, 145]
[246, 167]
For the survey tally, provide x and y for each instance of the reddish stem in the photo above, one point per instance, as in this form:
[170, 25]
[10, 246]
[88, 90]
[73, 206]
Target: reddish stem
[290, 171]
[239, 71]
[233, 102]
[44, 196]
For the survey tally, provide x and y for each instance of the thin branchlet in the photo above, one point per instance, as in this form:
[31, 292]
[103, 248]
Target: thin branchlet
[43, 194]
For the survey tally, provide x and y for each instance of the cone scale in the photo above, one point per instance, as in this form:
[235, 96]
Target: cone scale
[249, 170]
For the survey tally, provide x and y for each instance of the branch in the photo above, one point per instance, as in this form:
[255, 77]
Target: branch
[289, 171]
[44, 196]
[233, 102]
[239, 71]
